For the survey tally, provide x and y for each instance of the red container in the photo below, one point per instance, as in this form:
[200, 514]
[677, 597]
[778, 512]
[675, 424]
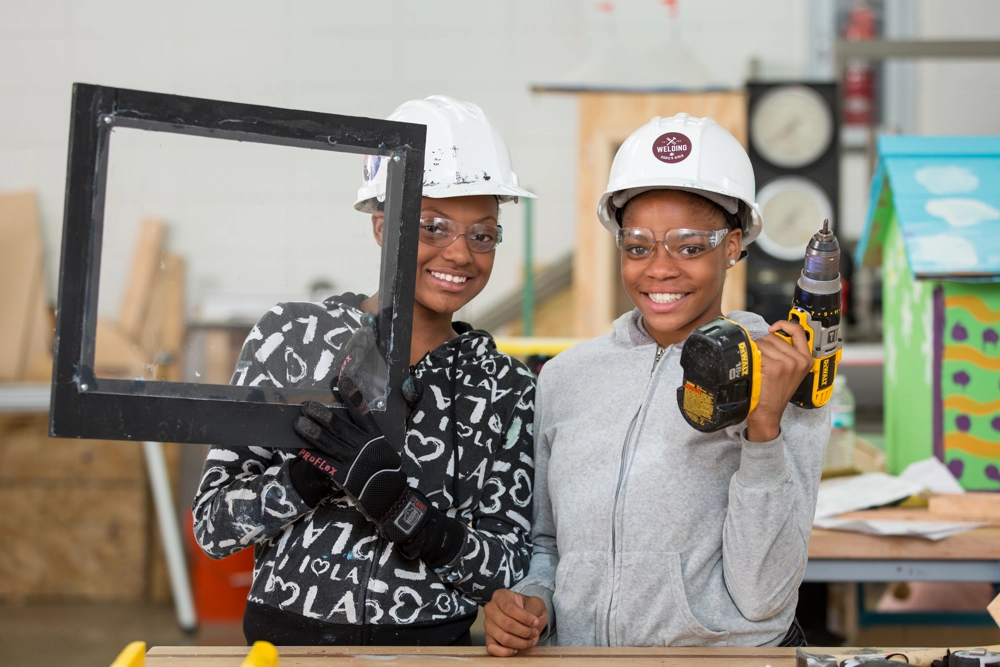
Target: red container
[220, 586]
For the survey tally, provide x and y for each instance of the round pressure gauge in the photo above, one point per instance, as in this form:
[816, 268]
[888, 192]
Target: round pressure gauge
[793, 209]
[791, 126]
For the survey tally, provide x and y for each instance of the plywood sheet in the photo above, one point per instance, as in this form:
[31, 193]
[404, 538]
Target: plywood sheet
[21, 281]
[606, 120]
[72, 542]
[28, 454]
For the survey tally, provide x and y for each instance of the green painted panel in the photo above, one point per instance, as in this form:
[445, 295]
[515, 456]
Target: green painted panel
[970, 384]
[907, 315]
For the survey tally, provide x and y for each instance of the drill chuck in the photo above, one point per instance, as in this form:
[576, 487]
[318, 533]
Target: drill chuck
[822, 256]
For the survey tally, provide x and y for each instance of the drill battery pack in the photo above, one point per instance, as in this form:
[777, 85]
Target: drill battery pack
[721, 376]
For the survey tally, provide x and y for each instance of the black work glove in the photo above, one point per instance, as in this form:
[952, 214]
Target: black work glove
[363, 464]
[352, 450]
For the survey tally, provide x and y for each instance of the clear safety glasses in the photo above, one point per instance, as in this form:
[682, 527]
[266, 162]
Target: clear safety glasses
[442, 232]
[640, 242]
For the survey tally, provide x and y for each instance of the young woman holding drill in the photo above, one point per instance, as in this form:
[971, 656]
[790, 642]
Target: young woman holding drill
[361, 541]
[647, 532]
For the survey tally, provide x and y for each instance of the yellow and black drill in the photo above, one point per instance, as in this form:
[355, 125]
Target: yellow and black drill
[721, 363]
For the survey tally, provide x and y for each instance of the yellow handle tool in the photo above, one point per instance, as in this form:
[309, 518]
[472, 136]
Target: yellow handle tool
[134, 655]
[263, 654]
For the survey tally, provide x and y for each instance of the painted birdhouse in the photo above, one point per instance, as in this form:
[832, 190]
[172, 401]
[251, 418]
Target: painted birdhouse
[934, 227]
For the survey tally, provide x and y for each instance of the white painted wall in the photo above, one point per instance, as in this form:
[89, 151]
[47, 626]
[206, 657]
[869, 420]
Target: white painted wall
[958, 96]
[365, 57]
[353, 57]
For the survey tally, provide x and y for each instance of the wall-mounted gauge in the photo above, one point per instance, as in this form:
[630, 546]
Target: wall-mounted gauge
[791, 126]
[793, 209]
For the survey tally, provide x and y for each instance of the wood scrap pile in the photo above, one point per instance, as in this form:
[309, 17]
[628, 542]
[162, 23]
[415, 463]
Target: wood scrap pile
[76, 514]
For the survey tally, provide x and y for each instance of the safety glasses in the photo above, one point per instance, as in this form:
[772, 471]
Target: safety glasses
[640, 242]
[442, 232]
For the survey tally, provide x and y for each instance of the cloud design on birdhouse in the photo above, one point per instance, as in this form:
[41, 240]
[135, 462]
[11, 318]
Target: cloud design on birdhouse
[947, 180]
[961, 212]
[942, 252]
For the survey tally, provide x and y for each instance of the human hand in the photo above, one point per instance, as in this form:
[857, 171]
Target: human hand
[783, 366]
[362, 344]
[513, 622]
[362, 463]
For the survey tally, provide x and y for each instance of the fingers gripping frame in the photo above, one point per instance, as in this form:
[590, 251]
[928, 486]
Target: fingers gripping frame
[86, 406]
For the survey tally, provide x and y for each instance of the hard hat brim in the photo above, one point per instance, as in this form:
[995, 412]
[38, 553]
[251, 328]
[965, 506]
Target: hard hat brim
[750, 223]
[504, 193]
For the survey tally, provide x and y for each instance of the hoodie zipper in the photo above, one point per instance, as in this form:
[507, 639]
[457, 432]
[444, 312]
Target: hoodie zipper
[621, 478]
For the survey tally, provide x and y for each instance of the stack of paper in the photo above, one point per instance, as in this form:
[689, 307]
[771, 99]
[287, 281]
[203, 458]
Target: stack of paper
[931, 530]
[849, 494]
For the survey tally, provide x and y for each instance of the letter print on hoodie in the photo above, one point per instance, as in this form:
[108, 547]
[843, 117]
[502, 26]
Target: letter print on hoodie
[468, 449]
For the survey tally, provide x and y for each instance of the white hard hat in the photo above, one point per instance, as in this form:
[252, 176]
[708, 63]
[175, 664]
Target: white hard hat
[465, 155]
[684, 153]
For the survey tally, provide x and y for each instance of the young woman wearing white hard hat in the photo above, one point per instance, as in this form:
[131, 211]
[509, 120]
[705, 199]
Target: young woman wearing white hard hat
[646, 531]
[364, 541]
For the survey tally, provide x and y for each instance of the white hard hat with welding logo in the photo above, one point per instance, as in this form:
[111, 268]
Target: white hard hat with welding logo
[684, 153]
[465, 155]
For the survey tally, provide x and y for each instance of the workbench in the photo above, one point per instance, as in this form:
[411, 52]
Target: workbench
[840, 556]
[473, 656]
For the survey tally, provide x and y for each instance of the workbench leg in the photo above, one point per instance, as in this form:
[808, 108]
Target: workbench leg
[170, 533]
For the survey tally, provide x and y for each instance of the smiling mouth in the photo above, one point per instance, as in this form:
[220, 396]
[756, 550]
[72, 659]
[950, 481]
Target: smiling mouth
[665, 297]
[447, 277]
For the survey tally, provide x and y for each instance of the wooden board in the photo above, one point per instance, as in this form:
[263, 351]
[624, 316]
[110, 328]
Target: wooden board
[38, 367]
[29, 455]
[900, 514]
[64, 542]
[606, 120]
[117, 355]
[145, 265]
[973, 506]
[978, 544]
[226, 656]
[73, 515]
[22, 284]
[555, 656]
[162, 334]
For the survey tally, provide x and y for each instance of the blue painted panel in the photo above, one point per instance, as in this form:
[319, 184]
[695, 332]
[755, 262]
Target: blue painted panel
[949, 212]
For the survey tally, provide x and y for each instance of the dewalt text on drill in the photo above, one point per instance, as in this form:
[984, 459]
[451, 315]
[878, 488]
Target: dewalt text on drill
[721, 362]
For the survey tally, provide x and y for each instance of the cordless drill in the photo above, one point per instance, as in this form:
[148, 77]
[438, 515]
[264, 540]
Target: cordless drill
[721, 362]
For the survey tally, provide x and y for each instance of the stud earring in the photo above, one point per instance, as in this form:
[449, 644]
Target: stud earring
[732, 262]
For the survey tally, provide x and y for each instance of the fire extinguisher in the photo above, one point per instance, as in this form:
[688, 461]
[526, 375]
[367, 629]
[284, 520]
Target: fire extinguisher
[859, 79]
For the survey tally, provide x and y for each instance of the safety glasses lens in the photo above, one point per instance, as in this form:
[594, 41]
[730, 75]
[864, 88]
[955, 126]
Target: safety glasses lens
[441, 232]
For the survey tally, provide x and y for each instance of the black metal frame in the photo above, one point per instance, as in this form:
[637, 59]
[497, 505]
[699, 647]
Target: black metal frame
[85, 406]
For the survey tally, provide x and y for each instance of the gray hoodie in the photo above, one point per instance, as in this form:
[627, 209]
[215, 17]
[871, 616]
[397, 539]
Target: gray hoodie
[650, 533]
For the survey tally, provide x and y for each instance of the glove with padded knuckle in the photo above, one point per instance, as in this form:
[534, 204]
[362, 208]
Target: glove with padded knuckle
[353, 451]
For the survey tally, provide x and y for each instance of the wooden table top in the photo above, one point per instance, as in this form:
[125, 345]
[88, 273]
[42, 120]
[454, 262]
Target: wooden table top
[474, 656]
[976, 544]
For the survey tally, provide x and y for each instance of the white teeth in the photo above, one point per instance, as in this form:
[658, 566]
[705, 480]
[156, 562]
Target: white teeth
[450, 278]
[663, 297]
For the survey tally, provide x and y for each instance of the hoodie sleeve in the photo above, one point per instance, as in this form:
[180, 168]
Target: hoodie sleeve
[541, 579]
[497, 545]
[247, 495]
[772, 500]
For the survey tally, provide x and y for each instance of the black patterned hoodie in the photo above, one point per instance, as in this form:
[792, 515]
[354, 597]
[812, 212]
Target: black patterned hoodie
[468, 449]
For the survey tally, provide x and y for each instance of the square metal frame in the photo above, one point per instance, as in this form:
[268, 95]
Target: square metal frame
[86, 406]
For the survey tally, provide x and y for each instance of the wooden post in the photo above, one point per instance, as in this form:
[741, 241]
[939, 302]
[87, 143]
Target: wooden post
[606, 120]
